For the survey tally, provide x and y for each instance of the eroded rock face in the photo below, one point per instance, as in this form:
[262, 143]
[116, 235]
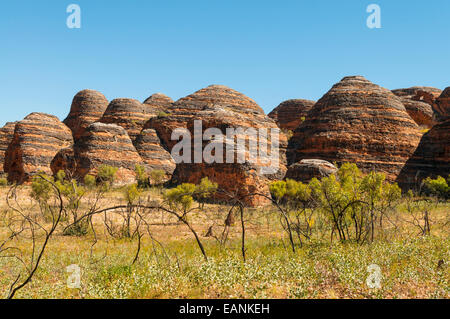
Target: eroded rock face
[153, 154]
[129, 114]
[219, 107]
[418, 111]
[87, 107]
[101, 144]
[421, 112]
[431, 159]
[443, 105]
[36, 141]
[159, 102]
[358, 122]
[307, 169]
[291, 113]
[6, 136]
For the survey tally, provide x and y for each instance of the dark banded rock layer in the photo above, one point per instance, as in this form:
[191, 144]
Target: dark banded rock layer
[307, 169]
[291, 113]
[153, 154]
[159, 102]
[431, 159]
[220, 107]
[101, 144]
[37, 139]
[87, 107]
[129, 114]
[6, 136]
[358, 122]
[443, 105]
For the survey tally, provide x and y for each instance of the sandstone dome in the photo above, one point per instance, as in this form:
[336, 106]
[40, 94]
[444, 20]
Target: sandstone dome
[87, 107]
[358, 122]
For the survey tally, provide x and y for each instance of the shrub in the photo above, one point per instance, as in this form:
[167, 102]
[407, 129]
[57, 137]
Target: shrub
[106, 175]
[181, 196]
[141, 177]
[41, 187]
[205, 189]
[132, 193]
[3, 182]
[157, 177]
[162, 114]
[437, 187]
[89, 181]
[79, 229]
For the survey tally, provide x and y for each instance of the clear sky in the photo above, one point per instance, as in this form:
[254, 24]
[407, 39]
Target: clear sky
[268, 50]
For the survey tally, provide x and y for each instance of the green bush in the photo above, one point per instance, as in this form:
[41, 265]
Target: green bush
[106, 175]
[181, 197]
[205, 189]
[78, 229]
[162, 114]
[89, 181]
[132, 193]
[157, 177]
[3, 182]
[141, 177]
[437, 187]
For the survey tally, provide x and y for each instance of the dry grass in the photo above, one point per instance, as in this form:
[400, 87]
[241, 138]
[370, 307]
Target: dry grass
[176, 269]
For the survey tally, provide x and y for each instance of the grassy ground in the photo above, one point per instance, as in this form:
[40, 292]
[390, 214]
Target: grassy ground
[412, 266]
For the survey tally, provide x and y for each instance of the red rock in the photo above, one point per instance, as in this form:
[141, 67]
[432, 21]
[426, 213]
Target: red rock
[357, 122]
[37, 139]
[87, 107]
[219, 107]
[431, 158]
[307, 169]
[154, 155]
[291, 113]
[101, 144]
[129, 114]
[422, 113]
[443, 105]
[6, 136]
[159, 102]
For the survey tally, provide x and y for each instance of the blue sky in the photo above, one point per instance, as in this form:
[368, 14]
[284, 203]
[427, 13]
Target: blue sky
[269, 50]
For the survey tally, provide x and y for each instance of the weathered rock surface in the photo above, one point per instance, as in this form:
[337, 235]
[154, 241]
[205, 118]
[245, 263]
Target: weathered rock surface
[87, 107]
[419, 93]
[149, 147]
[291, 113]
[220, 107]
[37, 139]
[419, 112]
[422, 113]
[443, 105]
[358, 122]
[129, 114]
[6, 136]
[101, 144]
[431, 159]
[159, 102]
[307, 169]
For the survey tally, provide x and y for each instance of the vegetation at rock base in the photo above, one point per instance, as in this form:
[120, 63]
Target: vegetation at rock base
[143, 242]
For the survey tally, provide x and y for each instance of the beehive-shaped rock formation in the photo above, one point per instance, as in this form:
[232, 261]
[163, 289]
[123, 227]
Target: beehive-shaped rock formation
[6, 136]
[101, 144]
[87, 107]
[443, 105]
[129, 114]
[155, 157]
[358, 122]
[37, 139]
[219, 107]
[159, 102]
[431, 158]
[291, 113]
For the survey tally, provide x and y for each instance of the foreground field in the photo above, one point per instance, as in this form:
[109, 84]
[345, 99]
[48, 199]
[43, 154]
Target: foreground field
[172, 266]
